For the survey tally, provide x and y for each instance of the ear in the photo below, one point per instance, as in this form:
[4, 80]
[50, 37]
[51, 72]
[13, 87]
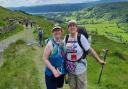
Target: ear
[62, 30]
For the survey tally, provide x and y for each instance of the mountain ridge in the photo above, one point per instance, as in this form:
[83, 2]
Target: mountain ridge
[62, 7]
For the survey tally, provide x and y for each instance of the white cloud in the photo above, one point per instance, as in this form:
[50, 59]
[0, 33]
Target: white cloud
[34, 1]
[47, 1]
[57, 1]
[37, 2]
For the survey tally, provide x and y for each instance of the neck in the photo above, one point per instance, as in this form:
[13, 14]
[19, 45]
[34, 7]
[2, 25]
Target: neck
[73, 35]
[57, 39]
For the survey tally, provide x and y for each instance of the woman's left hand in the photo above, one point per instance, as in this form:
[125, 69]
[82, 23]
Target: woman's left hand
[55, 73]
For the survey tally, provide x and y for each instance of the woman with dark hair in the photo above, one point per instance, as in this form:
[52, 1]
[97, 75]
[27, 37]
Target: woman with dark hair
[76, 46]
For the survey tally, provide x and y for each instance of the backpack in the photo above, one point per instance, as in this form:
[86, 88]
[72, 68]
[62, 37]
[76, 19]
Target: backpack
[85, 53]
[40, 33]
[83, 31]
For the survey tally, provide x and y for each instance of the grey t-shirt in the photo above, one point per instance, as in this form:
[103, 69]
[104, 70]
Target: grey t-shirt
[74, 52]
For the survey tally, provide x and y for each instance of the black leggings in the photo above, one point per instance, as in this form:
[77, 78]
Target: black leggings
[54, 83]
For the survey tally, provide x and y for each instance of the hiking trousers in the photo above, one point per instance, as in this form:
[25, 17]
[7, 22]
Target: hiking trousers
[78, 81]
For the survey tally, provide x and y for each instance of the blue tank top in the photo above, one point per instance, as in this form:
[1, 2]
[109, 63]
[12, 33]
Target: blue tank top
[56, 58]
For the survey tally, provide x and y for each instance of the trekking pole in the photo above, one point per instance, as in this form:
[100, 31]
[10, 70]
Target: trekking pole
[104, 57]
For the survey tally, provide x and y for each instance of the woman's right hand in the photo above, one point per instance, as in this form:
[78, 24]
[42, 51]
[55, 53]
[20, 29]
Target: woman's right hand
[55, 73]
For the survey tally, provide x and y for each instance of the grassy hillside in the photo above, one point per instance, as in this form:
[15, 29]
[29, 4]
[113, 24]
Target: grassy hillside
[114, 12]
[115, 72]
[40, 21]
[12, 32]
[110, 20]
[19, 68]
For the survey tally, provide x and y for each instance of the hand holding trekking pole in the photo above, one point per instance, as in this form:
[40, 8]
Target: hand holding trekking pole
[105, 55]
[102, 62]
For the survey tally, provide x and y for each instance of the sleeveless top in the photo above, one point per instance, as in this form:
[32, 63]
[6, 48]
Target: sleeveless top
[56, 58]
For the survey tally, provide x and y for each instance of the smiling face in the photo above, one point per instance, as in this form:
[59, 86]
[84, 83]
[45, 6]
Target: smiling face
[57, 33]
[72, 28]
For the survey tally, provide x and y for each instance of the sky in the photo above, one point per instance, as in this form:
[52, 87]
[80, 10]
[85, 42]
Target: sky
[18, 3]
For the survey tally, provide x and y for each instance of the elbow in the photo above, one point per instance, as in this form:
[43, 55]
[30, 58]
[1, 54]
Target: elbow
[45, 59]
[90, 50]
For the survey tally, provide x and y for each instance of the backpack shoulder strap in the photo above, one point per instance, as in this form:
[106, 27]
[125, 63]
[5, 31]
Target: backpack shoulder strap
[53, 43]
[66, 39]
[79, 42]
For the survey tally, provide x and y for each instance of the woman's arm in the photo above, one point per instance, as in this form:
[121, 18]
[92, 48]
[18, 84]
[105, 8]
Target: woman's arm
[95, 55]
[87, 46]
[46, 54]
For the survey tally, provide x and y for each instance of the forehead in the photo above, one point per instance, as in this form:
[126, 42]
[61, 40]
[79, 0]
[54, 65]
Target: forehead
[72, 24]
[56, 30]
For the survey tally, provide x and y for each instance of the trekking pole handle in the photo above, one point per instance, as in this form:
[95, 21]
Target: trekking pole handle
[105, 53]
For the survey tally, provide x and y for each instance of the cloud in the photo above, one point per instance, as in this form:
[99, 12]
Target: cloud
[18, 3]
[57, 1]
[47, 1]
[34, 1]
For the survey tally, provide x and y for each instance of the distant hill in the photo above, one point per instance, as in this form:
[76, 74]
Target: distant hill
[109, 19]
[54, 8]
[62, 7]
[39, 21]
[5, 13]
[115, 12]
[112, 1]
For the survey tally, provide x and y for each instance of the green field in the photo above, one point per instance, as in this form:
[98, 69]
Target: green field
[109, 30]
[23, 66]
[20, 71]
[115, 72]
[110, 20]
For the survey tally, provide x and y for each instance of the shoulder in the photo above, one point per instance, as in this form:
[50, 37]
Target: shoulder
[66, 37]
[82, 36]
[49, 44]
[83, 39]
